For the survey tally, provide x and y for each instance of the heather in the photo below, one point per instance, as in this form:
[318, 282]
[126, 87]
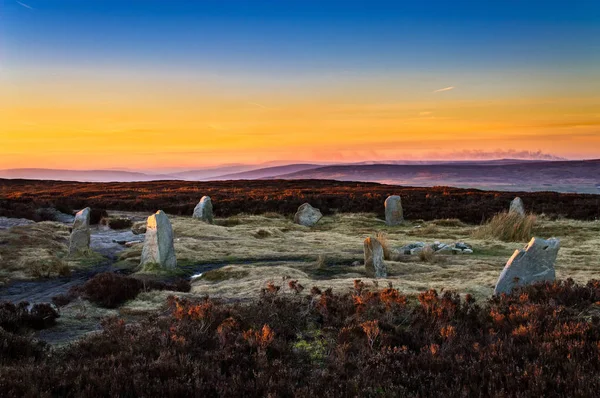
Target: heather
[21, 198]
[542, 340]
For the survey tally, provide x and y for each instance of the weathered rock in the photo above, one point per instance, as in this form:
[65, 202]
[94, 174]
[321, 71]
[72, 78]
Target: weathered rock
[139, 228]
[374, 263]
[158, 243]
[204, 210]
[516, 206]
[534, 263]
[393, 210]
[81, 234]
[462, 248]
[412, 248]
[307, 215]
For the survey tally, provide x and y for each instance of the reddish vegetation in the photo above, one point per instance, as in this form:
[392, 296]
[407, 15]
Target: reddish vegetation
[542, 340]
[19, 198]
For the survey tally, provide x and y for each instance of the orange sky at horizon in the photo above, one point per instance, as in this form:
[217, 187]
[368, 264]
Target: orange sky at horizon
[56, 125]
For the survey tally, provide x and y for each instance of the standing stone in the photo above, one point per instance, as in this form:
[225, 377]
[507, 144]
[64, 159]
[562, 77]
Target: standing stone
[158, 243]
[374, 263]
[534, 263]
[204, 210]
[80, 236]
[393, 210]
[516, 206]
[307, 215]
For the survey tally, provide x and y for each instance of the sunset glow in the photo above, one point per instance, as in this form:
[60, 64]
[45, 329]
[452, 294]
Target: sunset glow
[265, 82]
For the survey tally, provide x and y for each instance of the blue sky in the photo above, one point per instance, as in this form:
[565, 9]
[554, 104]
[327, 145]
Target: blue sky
[302, 80]
[302, 36]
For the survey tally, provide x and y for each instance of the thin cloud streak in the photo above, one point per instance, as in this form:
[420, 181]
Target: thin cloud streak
[445, 89]
[24, 5]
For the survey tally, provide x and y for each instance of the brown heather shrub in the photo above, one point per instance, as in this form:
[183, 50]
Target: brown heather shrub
[14, 317]
[507, 227]
[117, 223]
[542, 340]
[110, 290]
[20, 198]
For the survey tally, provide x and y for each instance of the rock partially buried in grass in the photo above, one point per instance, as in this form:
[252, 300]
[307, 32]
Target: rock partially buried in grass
[158, 244]
[139, 228]
[307, 215]
[534, 263]
[374, 263]
[516, 206]
[393, 210]
[204, 210]
[80, 237]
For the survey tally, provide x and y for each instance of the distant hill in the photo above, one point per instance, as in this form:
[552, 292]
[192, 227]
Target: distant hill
[82, 175]
[212, 172]
[267, 172]
[581, 176]
[562, 176]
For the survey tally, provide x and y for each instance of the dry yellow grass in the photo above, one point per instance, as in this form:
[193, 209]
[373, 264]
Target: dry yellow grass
[37, 251]
[292, 250]
[508, 227]
[286, 249]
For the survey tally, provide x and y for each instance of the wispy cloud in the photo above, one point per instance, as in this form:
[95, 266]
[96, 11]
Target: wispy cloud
[24, 5]
[425, 113]
[444, 89]
[259, 105]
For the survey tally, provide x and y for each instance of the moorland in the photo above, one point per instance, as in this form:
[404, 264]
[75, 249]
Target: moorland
[259, 305]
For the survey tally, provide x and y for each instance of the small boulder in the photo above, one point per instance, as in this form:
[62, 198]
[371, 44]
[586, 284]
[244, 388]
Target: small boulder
[534, 263]
[204, 210]
[139, 228]
[374, 263]
[412, 248]
[462, 248]
[393, 210]
[81, 234]
[307, 215]
[516, 206]
[158, 243]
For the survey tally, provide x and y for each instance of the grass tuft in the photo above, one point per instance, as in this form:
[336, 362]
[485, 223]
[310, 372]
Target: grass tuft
[507, 227]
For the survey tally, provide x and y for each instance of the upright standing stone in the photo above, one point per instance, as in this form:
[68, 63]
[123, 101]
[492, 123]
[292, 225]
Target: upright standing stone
[393, 210]
[158, 243]
[307, 215]
[80, 236]
[516, 206]
[534, 263]
[374, 263]
[204, 210]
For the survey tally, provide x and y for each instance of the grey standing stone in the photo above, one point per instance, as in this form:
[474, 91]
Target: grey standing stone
[81, 234]
[534, 263]
[204, 210]
[158, 243]
[307, 215]
[393, 210]
[516, 206]
[374, 263]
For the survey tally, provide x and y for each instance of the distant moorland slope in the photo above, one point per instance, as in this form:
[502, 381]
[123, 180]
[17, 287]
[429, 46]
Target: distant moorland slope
[578, 176]
[562, 176]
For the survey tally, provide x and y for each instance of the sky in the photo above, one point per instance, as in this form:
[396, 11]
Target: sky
[149, 84]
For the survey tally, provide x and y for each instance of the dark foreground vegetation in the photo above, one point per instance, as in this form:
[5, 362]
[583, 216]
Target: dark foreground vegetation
[110, 290]
[542, 340]
[21, 198]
